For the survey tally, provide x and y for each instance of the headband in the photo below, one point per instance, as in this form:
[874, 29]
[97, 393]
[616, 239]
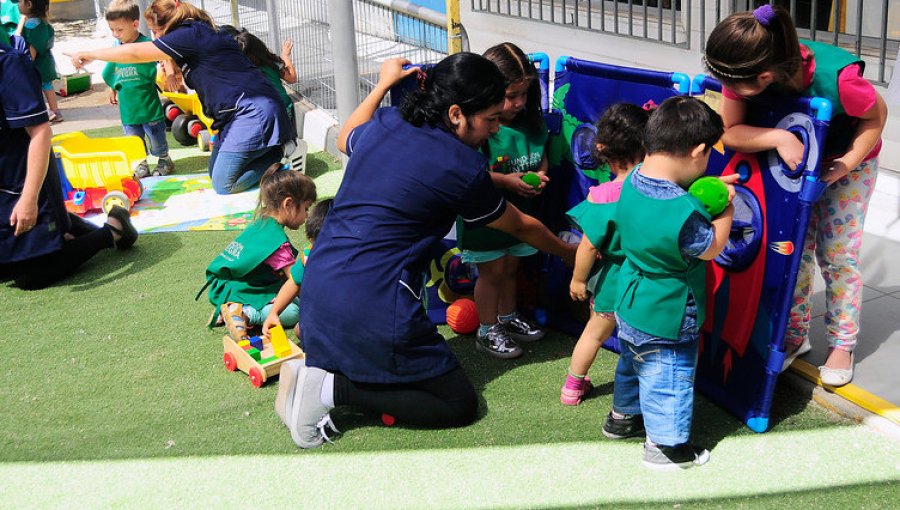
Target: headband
[764, 14]
[716, 70]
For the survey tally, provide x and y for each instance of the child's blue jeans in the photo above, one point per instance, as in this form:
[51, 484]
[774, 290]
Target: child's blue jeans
[656, 379]
[234, 172]
[155, 132]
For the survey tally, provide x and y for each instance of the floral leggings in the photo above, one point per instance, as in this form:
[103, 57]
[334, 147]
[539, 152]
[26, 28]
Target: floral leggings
[834, 237]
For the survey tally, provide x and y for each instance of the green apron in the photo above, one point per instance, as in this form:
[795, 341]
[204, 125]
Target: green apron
[596, 222]
[239, 275]
[655, 279]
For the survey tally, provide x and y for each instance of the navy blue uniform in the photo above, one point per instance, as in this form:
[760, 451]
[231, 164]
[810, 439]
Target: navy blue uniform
[22, 105]
[360, 315]
[242, 102]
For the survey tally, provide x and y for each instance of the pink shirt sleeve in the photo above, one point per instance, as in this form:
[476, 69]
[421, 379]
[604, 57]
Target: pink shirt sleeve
[728, 93]
[605, 193]
[281, 258]
[856, 93]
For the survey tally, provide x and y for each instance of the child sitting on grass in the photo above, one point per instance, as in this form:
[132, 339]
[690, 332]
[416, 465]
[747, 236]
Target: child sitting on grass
[289, 294]
[244, 279]
[133, 88]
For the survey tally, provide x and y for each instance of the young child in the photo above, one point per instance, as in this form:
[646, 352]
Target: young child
[38, 33]
[133, 88]
[666, 236]
[273, 67]
[245, 278]
[290, 291]
[756, 55]
[517, 149]
[620, 144]
[9, 19]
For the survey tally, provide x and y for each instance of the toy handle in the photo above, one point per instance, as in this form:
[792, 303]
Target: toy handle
[803, 135]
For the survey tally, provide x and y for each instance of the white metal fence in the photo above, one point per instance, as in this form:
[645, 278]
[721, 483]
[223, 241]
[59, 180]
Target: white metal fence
[868, 28]
[384, 29]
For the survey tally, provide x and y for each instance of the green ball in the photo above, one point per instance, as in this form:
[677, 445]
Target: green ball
[712, 193]
[533, 180]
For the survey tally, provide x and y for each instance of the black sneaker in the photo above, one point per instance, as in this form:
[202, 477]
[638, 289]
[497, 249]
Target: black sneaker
[523, 330]
[632, 425]
[128, 233]
[673, 458]
[498, 343]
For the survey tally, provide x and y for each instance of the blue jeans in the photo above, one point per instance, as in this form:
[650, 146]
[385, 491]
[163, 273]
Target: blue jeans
[234, 172]
[289, 317]
[156, 133]
[656, 379]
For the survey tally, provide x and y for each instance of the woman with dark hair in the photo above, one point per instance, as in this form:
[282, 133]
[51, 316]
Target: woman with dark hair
[412, 170]
[252, 121]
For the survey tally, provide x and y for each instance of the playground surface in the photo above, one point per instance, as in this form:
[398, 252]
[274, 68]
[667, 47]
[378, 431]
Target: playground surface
[122, 401]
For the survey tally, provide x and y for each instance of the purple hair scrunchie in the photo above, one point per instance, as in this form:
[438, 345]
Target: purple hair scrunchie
[764, 14]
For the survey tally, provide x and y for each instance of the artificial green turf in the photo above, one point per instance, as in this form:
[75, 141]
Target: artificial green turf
[115, 362]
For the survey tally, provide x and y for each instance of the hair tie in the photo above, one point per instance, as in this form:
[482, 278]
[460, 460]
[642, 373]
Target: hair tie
[764, 14]
[177, 3]
[649, 105]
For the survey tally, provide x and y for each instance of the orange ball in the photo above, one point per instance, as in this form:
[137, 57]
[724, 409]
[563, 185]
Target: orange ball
[462, 316]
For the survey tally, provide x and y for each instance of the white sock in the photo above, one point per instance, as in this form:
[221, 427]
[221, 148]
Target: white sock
[327, 395]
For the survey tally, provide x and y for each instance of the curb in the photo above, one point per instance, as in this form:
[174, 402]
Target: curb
[797, 379]
[314, 125]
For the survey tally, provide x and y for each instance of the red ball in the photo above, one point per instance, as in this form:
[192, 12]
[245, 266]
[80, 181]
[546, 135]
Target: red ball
[462, 316]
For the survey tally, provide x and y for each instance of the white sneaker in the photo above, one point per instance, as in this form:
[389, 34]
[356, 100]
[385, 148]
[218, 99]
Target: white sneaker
[309, 416]
[287, 382]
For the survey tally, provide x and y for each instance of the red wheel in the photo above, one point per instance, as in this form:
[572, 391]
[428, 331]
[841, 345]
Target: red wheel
[230, 362]
[194, 128]
[172, 111]
[388, 420]
[256, 377]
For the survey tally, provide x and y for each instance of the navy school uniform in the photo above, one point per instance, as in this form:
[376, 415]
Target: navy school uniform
[22, 105]
[244, 105]
[360, 314]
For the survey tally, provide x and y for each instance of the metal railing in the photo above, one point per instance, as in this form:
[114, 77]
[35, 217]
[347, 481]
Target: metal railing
[384, 29]
[872, 33]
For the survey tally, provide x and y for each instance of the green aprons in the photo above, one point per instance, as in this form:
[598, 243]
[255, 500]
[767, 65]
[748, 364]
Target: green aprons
[830, 61]
[9, 20]
[596, 222]
[655, 278]
[239, 275]
[135, 85]
[519, 151]
[39, 34]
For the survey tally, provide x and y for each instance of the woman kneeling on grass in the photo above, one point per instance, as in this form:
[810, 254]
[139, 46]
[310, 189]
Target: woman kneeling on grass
[40, 243]
[412, 170]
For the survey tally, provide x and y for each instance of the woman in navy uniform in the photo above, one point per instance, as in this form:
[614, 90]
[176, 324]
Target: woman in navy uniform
[412, 170]
[40, 243]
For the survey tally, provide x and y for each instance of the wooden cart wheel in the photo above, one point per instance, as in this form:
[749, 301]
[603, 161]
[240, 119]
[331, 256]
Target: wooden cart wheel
[230, 362]
[256, 377]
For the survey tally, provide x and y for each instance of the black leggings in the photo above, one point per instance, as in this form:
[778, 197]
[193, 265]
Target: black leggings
[447, 400]
[45, 270]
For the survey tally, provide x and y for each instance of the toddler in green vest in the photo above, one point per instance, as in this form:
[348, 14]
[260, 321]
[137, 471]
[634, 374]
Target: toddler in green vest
[39, 35]
[133, 88]
[245, 278]
[514, 152]
[619, 143]
[290, 291]
[666, 236]
[757, 57]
